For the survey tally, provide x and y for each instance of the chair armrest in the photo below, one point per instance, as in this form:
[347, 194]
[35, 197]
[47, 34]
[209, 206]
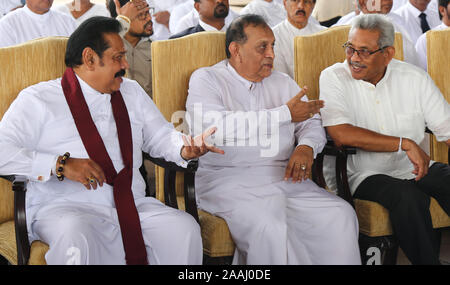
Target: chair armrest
[428, 131]
[341, 154]
[19, 186]
[170, 196]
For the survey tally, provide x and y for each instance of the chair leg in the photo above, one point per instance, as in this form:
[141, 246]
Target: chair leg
[378, 250]
[222, 260]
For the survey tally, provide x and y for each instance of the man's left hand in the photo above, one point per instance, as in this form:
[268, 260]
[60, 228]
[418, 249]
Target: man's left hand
[300, 163]
[196, 147]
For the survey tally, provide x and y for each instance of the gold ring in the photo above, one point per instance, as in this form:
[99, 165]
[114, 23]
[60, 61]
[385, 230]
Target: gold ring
[311, 115]
[91, 180]
[303, 167]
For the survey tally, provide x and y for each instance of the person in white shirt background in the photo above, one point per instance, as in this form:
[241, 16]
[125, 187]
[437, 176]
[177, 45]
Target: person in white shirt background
[81, 10]
[34, 20]
[385, 7]
[191, 19]
[270, 10]
[421, 45]
[381, 106]
[297, 23]
[419, 17]
[7, 6]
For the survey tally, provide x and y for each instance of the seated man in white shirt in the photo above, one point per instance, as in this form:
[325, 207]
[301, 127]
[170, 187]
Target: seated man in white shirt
[273, 12]
[192, 18]
[34, 20]
[87, 131]
[381, 106]
[272, 219]
[298, 23]
[421, 45]
[385, 7]
[81, 10]
[419, 17]
[212, 15]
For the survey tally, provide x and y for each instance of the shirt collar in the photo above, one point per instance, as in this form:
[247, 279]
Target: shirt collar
[210, 28]
[37, 17]
[249, 85]
[413, 10]
[295, 29]
[89, 93]
[381, 82]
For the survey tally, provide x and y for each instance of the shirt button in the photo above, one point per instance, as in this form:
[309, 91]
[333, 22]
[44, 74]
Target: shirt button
[378, 102]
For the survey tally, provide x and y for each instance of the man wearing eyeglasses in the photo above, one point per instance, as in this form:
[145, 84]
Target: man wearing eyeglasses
[381, 106]
[137, 44]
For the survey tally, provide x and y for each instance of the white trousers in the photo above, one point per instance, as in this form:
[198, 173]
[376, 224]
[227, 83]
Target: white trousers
[82, 234]
[298, 224]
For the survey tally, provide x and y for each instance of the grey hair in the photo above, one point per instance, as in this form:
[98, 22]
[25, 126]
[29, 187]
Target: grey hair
[376, 22]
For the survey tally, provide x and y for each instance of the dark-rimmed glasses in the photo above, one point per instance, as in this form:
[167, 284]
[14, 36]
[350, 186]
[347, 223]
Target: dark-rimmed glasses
[362, 53]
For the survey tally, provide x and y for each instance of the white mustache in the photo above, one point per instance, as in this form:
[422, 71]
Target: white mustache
[357, 64]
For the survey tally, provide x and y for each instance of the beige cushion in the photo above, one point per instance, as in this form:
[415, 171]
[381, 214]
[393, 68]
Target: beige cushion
[374, 219]
[8, 247]
[216, 236]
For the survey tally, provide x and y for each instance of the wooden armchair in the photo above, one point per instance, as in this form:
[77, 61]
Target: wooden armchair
[313, 54]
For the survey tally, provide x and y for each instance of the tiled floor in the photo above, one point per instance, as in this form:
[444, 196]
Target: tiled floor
[444, 255]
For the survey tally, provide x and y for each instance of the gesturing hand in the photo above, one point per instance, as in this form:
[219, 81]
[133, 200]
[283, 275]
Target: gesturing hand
[132, 8]
[85, 171]
[196, 147]
[301, 110]
[300, 163]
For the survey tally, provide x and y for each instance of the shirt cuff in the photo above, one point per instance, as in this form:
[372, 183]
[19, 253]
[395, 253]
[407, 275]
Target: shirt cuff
[43, 165]
[124, 23]
[310, 143]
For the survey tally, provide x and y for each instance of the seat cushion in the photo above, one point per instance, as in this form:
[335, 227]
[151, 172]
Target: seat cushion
[374, 219]
[8, 247]
[216, 236]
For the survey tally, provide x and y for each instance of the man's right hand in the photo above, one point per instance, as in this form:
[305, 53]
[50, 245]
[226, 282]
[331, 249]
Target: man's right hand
[303, 110]
[418, 158]
[131, 9]
[83, 170]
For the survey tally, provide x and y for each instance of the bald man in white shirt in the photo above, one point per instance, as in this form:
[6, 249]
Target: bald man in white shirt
[275, 213]
[381, 106]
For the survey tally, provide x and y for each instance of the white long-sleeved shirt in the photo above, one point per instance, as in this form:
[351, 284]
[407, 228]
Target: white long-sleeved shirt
[402, 104]
[38, 127]
[23, 25]
[284, 34]
[191, 19]
[254, 128]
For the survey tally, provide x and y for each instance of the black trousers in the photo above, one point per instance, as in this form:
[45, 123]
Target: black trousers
[408, 203]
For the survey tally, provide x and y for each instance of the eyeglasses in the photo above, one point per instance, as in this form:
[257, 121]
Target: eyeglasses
[142, 16]
[362, 53]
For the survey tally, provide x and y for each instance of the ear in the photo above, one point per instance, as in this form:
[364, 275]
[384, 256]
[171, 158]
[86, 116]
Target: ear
[389, 54]
[233, 48]
[89, 57]
[197, 6]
